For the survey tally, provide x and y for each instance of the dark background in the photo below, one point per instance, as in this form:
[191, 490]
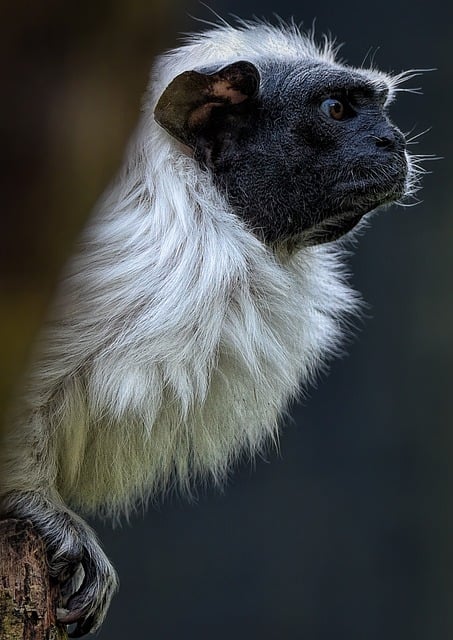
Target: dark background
[345, 532]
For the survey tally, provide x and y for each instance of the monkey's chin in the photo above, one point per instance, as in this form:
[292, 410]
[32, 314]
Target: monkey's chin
[332, 228]
[328, 230]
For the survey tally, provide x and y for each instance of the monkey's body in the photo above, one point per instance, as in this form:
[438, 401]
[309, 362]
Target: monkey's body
[185, 323]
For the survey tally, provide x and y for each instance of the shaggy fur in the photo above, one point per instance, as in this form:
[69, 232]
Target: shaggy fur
[177, 337]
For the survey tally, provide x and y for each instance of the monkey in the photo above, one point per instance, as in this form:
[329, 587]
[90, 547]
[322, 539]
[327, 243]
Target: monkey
[206, 290]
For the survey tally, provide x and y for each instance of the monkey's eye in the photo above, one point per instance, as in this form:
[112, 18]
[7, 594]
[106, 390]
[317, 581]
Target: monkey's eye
[334, 108]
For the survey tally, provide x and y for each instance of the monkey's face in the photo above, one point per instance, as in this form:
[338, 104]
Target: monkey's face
[301, 151]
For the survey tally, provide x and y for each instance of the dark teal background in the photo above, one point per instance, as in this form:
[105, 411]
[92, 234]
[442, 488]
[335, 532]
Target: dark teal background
[344, 533]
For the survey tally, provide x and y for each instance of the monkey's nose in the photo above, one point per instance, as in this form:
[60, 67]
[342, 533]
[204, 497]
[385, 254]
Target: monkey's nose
[385, 142]
[389, 139]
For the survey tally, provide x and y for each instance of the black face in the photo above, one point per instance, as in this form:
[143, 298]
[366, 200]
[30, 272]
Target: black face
[303, 159]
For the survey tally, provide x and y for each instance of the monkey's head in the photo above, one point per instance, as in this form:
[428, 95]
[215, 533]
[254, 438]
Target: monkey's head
[301, 149]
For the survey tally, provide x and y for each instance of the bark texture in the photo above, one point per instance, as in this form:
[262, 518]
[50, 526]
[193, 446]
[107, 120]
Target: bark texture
[28, 597]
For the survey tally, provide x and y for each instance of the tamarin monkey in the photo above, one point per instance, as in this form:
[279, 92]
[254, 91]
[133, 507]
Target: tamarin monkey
[207, 287]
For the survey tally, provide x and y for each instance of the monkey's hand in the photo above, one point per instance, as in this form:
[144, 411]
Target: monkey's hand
[88, 580]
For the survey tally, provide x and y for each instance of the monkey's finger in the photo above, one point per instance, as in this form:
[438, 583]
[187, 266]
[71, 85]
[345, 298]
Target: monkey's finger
[84, 623]
[88, 605]
[82, 628]
[69, 617]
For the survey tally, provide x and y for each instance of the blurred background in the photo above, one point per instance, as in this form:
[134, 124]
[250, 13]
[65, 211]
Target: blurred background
[346, 531]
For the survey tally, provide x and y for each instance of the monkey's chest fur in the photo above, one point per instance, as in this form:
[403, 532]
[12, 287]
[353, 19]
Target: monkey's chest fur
[179, 373]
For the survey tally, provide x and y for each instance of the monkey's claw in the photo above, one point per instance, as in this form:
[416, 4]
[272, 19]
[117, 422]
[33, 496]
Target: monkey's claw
[87, 605]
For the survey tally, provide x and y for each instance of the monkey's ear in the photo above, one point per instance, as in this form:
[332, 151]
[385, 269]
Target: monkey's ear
[186, 106]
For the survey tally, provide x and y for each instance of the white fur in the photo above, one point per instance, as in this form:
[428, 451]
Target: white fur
[177, 338]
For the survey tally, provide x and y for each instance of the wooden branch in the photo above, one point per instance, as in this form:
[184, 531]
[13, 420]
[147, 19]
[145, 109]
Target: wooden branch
[28, 596]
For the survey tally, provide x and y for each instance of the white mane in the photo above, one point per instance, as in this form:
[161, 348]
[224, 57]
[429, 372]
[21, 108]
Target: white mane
[177, 337]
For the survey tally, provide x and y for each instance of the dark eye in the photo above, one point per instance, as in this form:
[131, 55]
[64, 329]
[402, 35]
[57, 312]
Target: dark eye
[334, 108]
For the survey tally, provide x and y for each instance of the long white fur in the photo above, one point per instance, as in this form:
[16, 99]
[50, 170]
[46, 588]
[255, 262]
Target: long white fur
[177, 338]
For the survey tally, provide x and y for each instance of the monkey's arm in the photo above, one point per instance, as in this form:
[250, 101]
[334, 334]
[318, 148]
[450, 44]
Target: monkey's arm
[30, 491]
